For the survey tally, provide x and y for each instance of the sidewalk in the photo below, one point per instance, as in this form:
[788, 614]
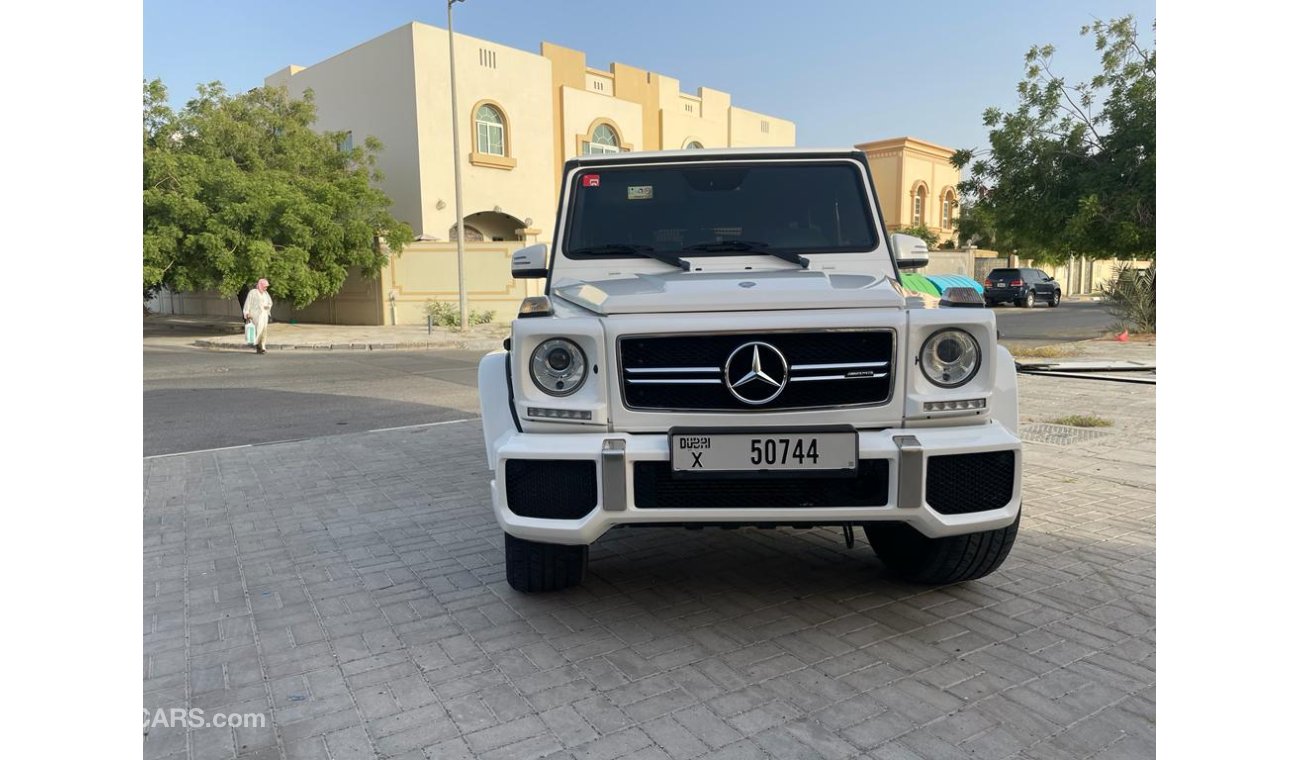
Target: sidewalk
[228, 335]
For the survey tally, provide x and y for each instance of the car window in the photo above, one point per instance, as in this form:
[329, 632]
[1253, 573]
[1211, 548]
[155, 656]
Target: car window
[714, 210]
[1004, 274]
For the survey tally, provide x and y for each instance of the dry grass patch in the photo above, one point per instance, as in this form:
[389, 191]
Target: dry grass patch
[1042, 352]
[1082, 421]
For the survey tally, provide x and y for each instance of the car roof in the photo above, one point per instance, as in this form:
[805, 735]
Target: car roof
[705, 154]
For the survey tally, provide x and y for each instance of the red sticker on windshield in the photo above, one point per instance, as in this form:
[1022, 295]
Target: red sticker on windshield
[591, 180]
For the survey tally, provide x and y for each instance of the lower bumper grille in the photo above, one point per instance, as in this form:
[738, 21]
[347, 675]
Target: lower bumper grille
[958, 484]
[654, 487]
[553, 489]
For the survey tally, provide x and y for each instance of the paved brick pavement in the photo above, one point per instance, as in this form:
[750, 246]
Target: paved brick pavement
[352, 589]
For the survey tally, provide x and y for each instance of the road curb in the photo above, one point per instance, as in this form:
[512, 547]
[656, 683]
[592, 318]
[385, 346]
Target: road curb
[478, 344]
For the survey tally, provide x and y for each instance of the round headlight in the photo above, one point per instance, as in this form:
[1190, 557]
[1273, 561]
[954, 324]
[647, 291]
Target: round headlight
[558, 366]
[950, 358]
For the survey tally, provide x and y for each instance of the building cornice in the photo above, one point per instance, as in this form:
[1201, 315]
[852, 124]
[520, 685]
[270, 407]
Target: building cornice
[907, 145]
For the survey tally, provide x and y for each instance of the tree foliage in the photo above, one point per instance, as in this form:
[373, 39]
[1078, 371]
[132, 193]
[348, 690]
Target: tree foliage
[1072, 170]
[238, 187]
[921, 231]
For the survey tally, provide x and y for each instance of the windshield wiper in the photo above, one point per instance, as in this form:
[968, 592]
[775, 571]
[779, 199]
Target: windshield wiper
[749, 245]
[635, 250]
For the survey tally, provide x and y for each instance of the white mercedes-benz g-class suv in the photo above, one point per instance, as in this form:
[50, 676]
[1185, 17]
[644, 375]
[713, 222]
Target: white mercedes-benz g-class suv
[724, 341]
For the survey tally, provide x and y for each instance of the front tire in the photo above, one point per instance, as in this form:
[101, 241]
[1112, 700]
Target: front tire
[939, 561]
[535, 566]
[1056, 300]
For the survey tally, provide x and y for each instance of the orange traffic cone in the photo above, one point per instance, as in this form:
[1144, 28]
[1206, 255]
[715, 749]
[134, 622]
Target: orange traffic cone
[1122, 337]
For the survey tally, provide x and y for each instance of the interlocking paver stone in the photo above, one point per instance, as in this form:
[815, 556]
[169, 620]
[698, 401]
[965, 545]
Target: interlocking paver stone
[352, 589]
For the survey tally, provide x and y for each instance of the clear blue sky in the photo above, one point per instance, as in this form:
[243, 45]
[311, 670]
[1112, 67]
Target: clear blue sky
[845, 71]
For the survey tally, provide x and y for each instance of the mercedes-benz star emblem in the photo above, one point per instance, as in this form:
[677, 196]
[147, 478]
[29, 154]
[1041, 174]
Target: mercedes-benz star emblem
[756, 372]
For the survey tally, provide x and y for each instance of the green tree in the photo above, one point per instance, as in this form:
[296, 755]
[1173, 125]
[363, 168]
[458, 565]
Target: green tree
[975, 226]
[923, 232]
[238, 187]
[1072, 170]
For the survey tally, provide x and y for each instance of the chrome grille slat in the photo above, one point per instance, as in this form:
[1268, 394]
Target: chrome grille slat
[850, 365]
[873, 376]
[674, 381]
[640, 370]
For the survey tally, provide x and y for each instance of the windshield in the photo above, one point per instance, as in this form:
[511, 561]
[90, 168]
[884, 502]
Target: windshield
[726, 209]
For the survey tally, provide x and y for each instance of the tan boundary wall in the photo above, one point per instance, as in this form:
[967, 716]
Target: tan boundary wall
[421, 273]
[961, 261]
[1084, 276]
[426, 272]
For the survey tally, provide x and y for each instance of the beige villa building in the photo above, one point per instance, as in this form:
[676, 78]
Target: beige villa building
[520, 116]
[917, 184]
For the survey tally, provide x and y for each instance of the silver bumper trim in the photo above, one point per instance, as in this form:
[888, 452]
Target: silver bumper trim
[613, 474]
[911, 471]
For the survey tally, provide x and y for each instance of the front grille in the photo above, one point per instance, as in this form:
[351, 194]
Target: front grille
[956, 484]
[826, 368]
[553, 489]
[654, 487]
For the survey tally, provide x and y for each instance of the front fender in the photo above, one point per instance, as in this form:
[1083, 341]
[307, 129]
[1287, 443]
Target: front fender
[1005, 404]
[494, 402]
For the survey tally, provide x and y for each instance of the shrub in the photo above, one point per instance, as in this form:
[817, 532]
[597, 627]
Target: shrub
[448, 314]
[1131, 298]
[444, 314]
[925, 233]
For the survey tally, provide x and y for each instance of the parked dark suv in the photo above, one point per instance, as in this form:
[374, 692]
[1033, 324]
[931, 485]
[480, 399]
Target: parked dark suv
[1024, 287]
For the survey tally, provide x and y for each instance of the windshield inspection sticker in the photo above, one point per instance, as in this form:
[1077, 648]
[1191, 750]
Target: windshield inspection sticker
[640, 192]
[591, 180]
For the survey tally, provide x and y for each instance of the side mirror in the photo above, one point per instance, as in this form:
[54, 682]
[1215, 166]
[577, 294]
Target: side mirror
[529, 263]
[910, 252]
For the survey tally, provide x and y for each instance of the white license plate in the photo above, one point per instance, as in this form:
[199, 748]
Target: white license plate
[741, 452]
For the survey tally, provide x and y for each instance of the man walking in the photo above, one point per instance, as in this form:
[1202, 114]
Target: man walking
[257, 309]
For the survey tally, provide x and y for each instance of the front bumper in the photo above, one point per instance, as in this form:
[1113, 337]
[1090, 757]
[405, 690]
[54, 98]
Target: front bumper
[907, 452]
[1005, 294]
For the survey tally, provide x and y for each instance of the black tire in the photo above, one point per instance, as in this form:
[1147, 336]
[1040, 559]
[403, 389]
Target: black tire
[938, 561]
[1028, 300]
[535, 566]
[1056, 299]
[989, 303]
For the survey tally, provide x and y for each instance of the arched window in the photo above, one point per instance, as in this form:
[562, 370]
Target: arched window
[949, 205]
[491, 128]
[694, 145]
[472, 234]
[603, 140]
[918, 205]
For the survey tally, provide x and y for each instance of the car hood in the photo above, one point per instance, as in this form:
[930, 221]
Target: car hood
[731, 291]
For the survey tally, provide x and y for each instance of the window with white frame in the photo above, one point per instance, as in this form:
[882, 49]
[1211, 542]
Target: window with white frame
[918, 205]
[603, 140]
[491, 128]
[949, 202]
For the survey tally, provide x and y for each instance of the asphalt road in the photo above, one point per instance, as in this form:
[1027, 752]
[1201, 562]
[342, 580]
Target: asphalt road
[196, 399]
[1071, 321]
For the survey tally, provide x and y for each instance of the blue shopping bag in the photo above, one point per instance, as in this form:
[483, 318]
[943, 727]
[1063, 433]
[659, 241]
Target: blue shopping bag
[250, 333]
